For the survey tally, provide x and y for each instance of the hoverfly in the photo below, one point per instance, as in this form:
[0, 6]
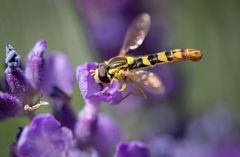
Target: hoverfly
[130, 69]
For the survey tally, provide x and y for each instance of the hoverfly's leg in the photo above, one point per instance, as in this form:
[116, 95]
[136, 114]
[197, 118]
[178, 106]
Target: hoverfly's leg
[129, 94]
[104, 89]
[124, 85]
[121, 73]
[139, 89]
[141, 92]
[114, 79]
[92, 72]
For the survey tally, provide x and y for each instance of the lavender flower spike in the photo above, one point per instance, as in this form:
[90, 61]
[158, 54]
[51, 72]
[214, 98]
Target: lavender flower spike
[86, 123]
[13, 59]
[44, 137]
[91, 90]
[134, 149]
[15, 79]
[35, 64]
[9, 105]
[92, 129]
[108, 131]
[58, 84]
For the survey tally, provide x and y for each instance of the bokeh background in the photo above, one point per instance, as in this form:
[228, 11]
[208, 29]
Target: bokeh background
[93, 30]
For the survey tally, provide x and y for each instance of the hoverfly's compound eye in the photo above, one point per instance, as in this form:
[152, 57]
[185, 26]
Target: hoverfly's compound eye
[103, 73]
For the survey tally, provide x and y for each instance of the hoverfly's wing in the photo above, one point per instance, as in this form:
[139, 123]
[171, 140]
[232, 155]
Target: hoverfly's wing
[136, 33]
[147, 80]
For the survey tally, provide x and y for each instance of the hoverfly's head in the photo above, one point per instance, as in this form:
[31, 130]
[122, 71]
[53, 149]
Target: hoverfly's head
[101, 74]
[194, 55]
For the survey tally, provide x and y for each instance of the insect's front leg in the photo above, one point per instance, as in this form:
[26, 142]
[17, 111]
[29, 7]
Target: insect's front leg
[114, 79]
[107, 87]
[92, 72]
[124, 85]
[121, 74]
[140, 92]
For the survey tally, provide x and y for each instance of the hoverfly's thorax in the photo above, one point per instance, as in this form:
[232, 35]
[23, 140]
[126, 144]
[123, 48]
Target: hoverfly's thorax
[117, 62]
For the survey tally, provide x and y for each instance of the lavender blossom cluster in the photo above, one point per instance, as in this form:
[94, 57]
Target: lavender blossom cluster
[61, 133]
[93, 134]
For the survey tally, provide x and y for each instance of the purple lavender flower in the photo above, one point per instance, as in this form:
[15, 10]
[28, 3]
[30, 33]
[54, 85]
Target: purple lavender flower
[13, 59]
[9, 105]
[91, 129]
[35, 64]
[92, 91]
[63, 112]
[17, 83]
[41, 77]
[107, 131]
[22, 87]
[44, 137]
[58, 84]
[86, 123]
[58, 73]
[134, 149]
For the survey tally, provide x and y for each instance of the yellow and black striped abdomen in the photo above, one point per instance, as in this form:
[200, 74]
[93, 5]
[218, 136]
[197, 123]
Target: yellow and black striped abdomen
[164, 57]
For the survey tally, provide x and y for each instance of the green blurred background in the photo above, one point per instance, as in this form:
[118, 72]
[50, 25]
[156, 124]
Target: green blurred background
[211, 26]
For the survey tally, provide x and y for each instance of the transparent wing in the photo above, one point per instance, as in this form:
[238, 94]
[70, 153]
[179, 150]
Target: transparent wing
[136, 33]
[147, 80]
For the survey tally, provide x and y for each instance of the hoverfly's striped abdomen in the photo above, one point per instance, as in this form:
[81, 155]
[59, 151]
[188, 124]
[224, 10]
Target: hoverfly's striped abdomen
[153, 59]
[164, 57]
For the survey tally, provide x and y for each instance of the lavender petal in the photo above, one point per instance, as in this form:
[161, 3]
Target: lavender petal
[9, 105]
[35, 64]
[16, 82]
[58, 73]
[107, 131]
[86, 123]
[65, 115]
[15, 79]
[134, 149]
[44, 137]
[62, 109]
[13, 59]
